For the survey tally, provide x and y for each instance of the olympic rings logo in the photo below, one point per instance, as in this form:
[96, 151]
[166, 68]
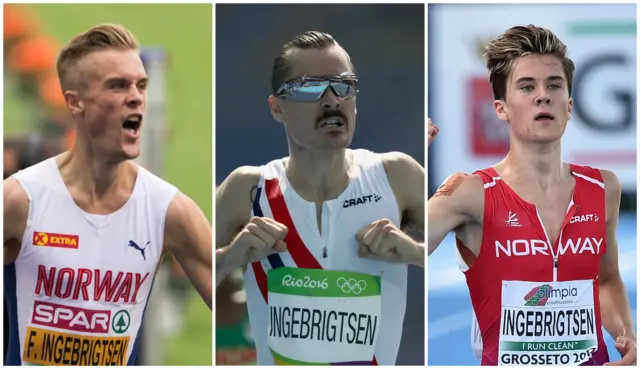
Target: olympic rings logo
[351, 285]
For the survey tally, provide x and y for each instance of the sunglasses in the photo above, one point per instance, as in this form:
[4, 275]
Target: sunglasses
[310, 89]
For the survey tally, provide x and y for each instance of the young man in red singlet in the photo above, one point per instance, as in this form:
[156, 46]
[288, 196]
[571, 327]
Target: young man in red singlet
[538, 235]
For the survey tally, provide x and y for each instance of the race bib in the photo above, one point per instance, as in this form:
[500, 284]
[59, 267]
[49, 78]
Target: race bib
[547, 323]
[320, 317]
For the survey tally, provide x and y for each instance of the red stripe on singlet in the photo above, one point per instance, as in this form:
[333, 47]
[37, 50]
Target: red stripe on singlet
[296, 248]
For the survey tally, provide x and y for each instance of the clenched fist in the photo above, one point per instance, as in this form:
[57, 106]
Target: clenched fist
[382, 240]
[628, 350]
[432, 131]
[259, 238]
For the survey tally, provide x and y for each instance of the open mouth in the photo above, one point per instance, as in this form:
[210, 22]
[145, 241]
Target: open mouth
[132, 123]
[334, 122]
[544, 116]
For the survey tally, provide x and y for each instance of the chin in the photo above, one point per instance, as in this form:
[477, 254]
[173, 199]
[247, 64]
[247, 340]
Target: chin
[541, 135]
[130, 153]
[544, 138]
[339, 144]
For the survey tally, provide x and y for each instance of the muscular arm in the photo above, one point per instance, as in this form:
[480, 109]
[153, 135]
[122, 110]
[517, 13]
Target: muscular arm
[459, 200]
[188, 236]
[234, 199]
[406, 177]
[16, 210]
[614, 304]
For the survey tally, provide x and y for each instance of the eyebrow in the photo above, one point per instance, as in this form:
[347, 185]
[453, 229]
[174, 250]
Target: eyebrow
[122, 79]
[530, 79]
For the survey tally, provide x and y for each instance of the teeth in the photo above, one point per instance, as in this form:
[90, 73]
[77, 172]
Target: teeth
[332, 122]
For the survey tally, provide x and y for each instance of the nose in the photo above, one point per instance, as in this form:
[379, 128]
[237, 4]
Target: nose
[135, 98]
[543, 98]
[330, 100]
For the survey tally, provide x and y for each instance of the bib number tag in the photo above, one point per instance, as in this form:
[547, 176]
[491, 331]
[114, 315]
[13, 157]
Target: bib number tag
[319, 317]
[547, 323]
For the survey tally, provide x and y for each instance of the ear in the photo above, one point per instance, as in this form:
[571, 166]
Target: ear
[501, 110]
[276, 109]
[73, 102]
[570, 108]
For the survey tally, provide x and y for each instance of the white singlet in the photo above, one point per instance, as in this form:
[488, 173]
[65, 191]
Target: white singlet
[326, 304]
[78, 289]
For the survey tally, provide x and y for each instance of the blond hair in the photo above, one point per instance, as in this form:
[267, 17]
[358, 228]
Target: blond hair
[101, 37]
[501, 54]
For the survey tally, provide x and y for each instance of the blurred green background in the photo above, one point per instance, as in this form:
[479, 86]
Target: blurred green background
[184, 32]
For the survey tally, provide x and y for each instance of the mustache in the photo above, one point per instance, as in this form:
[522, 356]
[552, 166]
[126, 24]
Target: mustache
[331, 114]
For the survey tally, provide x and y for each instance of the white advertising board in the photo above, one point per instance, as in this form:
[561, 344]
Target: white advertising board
[602, 42]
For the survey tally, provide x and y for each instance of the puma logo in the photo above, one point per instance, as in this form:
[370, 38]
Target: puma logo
[135, 246]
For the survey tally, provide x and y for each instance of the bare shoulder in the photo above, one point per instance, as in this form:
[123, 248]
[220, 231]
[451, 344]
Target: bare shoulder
[406, 177]
[186, 225]
[234, 199]
[396, 162]
[14, 196]
[613, 192]
[461, 185]
[242, 182]
[462, 194]
[612, 184]
[181, 208]
[16, 209]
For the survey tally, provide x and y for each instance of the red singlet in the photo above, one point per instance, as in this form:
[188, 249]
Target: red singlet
[536, 304]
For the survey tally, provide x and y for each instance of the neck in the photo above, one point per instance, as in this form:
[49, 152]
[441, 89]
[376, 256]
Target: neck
[541, 163]
[82, 169]
[318, 176]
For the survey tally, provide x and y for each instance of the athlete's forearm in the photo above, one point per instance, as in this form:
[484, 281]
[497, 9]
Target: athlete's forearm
[419, 255]
[441, 223]
[615, 309]
[226, 263]
[435, 236]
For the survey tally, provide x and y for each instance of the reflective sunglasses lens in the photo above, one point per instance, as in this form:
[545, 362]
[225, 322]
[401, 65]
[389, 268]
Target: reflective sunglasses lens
[343, 89]
[309, 91]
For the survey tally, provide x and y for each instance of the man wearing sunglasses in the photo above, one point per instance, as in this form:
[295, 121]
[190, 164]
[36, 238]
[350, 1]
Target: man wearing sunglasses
[318, 233]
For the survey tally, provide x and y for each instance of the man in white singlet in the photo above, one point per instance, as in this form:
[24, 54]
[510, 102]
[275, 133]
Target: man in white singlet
[85, 231]
[320, 231]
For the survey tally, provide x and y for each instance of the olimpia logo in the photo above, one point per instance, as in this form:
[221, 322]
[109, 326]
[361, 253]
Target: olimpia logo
[539, 295]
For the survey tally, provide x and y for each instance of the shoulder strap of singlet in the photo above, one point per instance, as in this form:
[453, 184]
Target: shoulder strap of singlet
[588, 174]
[489, 177]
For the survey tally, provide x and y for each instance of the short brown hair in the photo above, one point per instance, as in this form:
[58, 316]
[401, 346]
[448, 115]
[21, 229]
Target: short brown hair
[101, 37]
[501, 54]
[303, 41]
